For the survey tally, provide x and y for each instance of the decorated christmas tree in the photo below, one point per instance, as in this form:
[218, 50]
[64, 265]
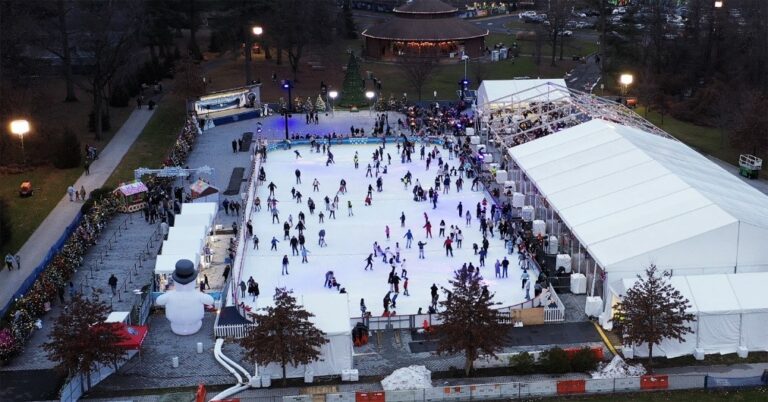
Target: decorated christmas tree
[353, 91]
[319, 104]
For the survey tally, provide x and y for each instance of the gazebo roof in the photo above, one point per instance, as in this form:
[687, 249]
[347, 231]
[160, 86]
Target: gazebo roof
[425, 7]
[437, 29]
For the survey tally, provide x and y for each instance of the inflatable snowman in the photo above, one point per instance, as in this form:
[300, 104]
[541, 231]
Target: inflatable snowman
[185, 305]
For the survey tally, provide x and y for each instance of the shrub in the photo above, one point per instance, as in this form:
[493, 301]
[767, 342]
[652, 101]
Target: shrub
[67, 154]
[523, 363]
[5, 222]
[555, 361]
[584, 360]
[100, 193]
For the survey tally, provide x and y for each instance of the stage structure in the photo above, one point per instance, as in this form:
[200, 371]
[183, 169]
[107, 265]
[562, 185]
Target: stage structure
[424, 28]
[229, 106]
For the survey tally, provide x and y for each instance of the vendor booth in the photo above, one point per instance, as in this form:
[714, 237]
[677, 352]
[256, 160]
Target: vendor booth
[131, 196]
[731, 314]
[496, 94]
[202, 191]
[166, 263]
[229, 106]
[332, 317]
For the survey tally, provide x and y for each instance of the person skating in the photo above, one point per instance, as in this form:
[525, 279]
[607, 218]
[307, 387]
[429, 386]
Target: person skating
[461, 209]
[469, 219]
[459, 239]
[428, 228]
[274, 243]
[321, 238]
[368, 172]
[349, 208]
[343, 186]
[294, 246]
[394, 299]
[320, 217]
[448, 248]
[275, 215]
[433, 292]
[402, 219]
[408, 238]
[304, 253]
[441, 233]
[396, 283]
[405, 287]
[271, 188]
[524, 278]
[497, 268]
[483, 253]
[386, 302]
[504, 267]
[328, 278]
[332, 214]
[403, 270]
[286, 230]
[386, 231]
[315, 185]
[421, 245]
[285, 265]
[369, 262]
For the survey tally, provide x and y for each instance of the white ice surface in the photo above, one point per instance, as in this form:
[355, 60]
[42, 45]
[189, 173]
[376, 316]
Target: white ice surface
[350, 239]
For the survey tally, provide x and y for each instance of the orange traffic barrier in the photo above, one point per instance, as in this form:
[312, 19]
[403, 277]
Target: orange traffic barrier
[571, 387]
[654, 382]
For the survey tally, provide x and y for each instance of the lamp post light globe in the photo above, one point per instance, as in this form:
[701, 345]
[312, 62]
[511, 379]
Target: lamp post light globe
[332, 95]
[626, 80]
[718, 4]
[370, 95]
[258, 30]
[20, 127]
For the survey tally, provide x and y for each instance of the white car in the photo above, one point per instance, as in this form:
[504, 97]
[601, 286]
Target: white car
[565, 33]
[527, 14]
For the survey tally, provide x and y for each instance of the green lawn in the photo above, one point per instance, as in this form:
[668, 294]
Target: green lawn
[746, 395]
[707, 140]
[154, 141]
[50, 185]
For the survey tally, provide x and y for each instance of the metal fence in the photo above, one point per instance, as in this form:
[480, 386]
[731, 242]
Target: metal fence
[77, 385]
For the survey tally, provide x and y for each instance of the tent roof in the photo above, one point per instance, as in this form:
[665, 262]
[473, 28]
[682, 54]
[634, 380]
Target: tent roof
[624, 192]
[166, 263]
[331, 312]
[716, 294]
[512, 91]
[209, 208]
[182, 246]
[432, 29]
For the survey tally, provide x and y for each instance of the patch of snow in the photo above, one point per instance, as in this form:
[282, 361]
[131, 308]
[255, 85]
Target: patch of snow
[618, 368]
[412, 377]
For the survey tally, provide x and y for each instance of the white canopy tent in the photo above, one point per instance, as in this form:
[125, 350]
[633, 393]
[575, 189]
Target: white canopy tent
[195, 208]
[494, 94]
[182, 246]
[166, 263]
[192, 233]
[193, 220]
[332, 317]
[730, 313]
[632, 198]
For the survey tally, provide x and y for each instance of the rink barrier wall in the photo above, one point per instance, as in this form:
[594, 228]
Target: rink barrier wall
[523, 390]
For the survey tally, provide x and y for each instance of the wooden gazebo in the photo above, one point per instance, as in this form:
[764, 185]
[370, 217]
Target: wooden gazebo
[424, 28]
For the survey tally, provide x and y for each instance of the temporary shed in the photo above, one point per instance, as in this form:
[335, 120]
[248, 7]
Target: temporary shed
[332, 317]
[182, 246]
[194, 233]
[632, 198]
[193, 208]
[193, 220]
[495, 94]
[730, 313]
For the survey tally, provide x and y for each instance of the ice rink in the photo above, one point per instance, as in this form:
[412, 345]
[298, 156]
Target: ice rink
[350, 238]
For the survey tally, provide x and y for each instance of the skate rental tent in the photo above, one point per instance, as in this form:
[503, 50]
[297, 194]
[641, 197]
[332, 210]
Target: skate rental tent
[496, 94]
[332, 317]
[731, 314]
[631, 198]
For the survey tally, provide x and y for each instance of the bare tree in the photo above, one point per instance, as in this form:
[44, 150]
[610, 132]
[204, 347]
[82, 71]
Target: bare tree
[56, 40]
[417, 71]
[470, 323]
[284, 335]
[300, 25]
[558, 14]
[652, 311]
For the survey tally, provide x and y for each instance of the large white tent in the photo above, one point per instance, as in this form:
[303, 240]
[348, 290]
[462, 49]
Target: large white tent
[195, 208]
[633, 198]
[730, 312]
[493, 94]
[166, 263]
[332, 317]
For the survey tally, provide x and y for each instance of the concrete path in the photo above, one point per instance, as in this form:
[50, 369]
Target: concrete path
[49, 231]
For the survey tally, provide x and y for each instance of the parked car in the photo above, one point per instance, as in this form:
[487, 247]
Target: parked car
[526, 14]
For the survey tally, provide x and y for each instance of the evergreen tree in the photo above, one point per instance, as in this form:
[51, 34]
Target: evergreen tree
[284, 335]
[80, 340]
[319, 104]
[470, 324]
[651, 311]
[353, 89]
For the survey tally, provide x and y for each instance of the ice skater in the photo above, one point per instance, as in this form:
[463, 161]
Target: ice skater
[285, 265]
[428, 228]
[408, 238]
[448, 247]
[321, 238]
[271, 188]
[315, 185]
[469, 219]
[298, 155]
[304, 253]
[421, 245]
[274, 243]
[369, 262]
[328, 278]
[460, 208]
[402, 219]
[349, 208]
[386, 231]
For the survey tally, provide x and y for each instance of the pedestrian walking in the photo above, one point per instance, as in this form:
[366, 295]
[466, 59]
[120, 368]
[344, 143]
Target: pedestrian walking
[285, 265]
[113, 284]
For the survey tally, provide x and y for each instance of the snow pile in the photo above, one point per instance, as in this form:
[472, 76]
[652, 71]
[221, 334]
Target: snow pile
[412, 377]
[618, 368]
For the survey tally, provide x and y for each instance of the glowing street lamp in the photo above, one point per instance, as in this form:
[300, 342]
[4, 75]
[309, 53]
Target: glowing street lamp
[718, 4]
[370, 95]
[626, 80]
[258, 30]
[332, 95]
[21, 127]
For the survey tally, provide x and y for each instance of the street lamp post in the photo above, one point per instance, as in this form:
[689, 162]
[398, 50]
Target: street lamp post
[626, 80]
[332, 95]
[21, 127]
[370, 95]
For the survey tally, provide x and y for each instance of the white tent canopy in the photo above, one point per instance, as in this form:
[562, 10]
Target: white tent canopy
[193, 233]
[193, 220]
[632, 198]
[166, 263]
[332, 317]
[194, 208]
[182, 246]
[729, 308]
[493, 94]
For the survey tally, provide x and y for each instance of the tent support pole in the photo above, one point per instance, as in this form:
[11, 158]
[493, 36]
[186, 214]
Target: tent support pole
[594, 279]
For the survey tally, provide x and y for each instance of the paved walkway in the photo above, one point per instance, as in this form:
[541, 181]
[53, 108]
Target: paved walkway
[49, 231]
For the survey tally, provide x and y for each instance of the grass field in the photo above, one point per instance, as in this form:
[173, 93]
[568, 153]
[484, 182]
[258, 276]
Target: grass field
[50, 185]
[154, 141]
